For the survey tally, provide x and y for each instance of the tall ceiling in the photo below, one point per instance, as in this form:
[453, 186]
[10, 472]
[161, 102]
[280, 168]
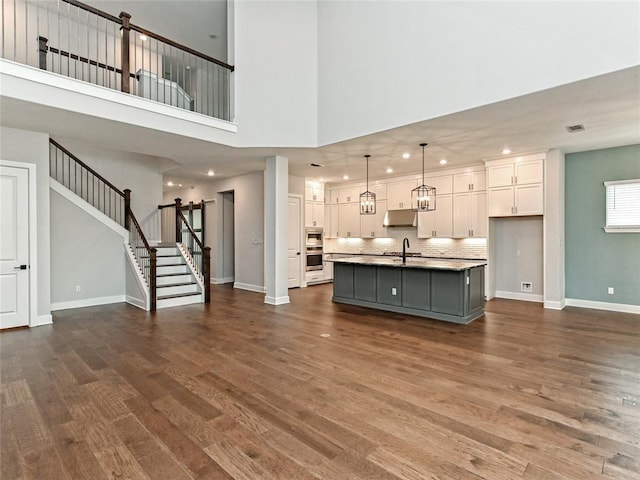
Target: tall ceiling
[608, 106]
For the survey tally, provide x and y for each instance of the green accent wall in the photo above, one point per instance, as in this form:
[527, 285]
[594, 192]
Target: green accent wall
[594, 259]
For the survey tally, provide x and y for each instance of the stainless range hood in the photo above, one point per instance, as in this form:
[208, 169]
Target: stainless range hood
[400, 218]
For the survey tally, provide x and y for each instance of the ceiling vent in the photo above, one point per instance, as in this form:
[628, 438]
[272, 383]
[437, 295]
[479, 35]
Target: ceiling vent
[317, 165]
[575, 128]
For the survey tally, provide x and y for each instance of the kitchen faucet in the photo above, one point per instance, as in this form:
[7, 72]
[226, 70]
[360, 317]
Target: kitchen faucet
[405, 245]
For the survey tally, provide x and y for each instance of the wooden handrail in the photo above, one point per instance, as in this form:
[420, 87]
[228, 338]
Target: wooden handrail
[84, 165]
[148, 33]
[137, 225]
[190, 229]
[95, 11]
[168, 41]
[153, 260]
[73, 56]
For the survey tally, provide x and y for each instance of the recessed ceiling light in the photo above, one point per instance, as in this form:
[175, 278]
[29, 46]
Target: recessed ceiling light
[317, 165]
[406, 155]
[169, 183]
[143, 37]
[211, 173]
[389, 170]
[506, 151]
[443, 162]
[575, 128]
[321, 179]
[179, 184]
[345, 177]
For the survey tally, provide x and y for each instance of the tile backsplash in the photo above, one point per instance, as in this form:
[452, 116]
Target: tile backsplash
[475, 248]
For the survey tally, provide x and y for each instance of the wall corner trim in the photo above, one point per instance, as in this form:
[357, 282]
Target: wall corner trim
[46, 319]
[555, 305]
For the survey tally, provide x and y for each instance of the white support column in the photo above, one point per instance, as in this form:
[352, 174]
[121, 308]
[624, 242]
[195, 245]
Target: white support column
[554, 276]
[276, 191]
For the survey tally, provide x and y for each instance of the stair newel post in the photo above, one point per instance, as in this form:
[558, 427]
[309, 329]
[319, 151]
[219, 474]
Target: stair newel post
[42, 52]
[178, 226]
[124, 52]
[153, 262]
[127, 208]
[206, 271]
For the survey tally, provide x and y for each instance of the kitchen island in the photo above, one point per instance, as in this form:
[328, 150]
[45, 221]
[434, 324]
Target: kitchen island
[449, 290]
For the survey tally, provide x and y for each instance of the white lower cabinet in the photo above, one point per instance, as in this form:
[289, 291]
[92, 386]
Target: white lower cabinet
[438, 223]
[371, 225]
[470, 215]
[314, 214]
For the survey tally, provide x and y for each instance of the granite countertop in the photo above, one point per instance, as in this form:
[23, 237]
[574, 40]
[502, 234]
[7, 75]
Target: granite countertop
[412, 262]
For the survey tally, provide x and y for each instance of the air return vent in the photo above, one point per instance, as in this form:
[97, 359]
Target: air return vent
[575, 128]
[316, 165]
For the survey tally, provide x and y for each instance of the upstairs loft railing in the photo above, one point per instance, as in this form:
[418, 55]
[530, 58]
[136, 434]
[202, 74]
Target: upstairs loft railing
[177, 228]
[77, 176]
[79, 41]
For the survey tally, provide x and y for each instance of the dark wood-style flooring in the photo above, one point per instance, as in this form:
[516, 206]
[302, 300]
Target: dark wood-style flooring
[315, 390]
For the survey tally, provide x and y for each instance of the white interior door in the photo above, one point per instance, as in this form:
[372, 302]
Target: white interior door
[14, 247]
[294, 249]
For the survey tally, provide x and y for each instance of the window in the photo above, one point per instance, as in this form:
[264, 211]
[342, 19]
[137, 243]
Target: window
[623, 206]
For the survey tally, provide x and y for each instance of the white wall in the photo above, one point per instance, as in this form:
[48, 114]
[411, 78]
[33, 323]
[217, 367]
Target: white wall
[389, 63]
[276, 81]
[31, 147]
[249, 224]
[84, 253]
[518, 255]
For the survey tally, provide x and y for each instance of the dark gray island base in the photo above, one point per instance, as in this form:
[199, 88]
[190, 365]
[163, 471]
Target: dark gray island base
[449, 290]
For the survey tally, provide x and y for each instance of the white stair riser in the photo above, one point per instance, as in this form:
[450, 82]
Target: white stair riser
[177, 290]
[161, 270]
[187, 277]
[176, 302]
[169, 260]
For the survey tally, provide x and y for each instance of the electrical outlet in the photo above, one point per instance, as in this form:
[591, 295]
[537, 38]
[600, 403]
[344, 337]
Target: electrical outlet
[610, 291]
[78, 288]
[394, 291]
[526, 287]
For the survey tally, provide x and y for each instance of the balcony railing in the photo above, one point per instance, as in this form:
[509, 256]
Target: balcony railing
[76, 40]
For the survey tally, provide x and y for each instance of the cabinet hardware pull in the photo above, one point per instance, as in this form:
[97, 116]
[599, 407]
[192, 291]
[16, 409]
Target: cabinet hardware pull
[516, 180]
[511, 179]
[470, 186]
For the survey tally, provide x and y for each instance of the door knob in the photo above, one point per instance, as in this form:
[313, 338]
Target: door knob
[21, 267]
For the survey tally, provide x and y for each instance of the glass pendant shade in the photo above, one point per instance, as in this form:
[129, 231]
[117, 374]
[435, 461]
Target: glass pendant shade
[367, 199]
[423, 198]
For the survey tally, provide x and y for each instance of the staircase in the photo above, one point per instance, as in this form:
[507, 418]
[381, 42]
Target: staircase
[167, 274]
[175, 282]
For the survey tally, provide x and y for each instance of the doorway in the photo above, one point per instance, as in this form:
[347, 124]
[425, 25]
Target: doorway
[227, 241]
[294, 242]
[14, 247]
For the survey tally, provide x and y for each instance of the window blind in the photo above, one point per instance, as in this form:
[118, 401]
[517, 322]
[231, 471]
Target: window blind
[623, 205]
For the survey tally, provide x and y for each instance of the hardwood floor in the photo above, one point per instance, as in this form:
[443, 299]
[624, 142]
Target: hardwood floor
[314, 390]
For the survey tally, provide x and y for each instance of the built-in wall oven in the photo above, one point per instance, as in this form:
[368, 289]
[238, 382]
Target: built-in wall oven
[313, 246]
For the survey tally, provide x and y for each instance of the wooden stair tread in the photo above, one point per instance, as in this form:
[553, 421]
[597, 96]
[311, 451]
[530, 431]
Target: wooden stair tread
[176, 284]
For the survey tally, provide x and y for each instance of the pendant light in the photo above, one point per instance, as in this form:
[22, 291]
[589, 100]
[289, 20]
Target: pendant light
[423, 198]
[367, 199]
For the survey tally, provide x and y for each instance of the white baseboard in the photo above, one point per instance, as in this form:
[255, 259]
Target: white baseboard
[527, 297]
[553, 305]
[277, 300]
[220, 280]
[42, 320]
[87, 302]
[136, 302]
[248, 286]
[613, 307]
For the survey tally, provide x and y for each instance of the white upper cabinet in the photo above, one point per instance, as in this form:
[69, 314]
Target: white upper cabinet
[442, 183]
[515, 186]
[399, 194]
[349, 220]
[371, 225]
[315, 193]
[438, 223]
[345, 195]
[469, 215]
[470, 181]
[314, 214]
[380, 189]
